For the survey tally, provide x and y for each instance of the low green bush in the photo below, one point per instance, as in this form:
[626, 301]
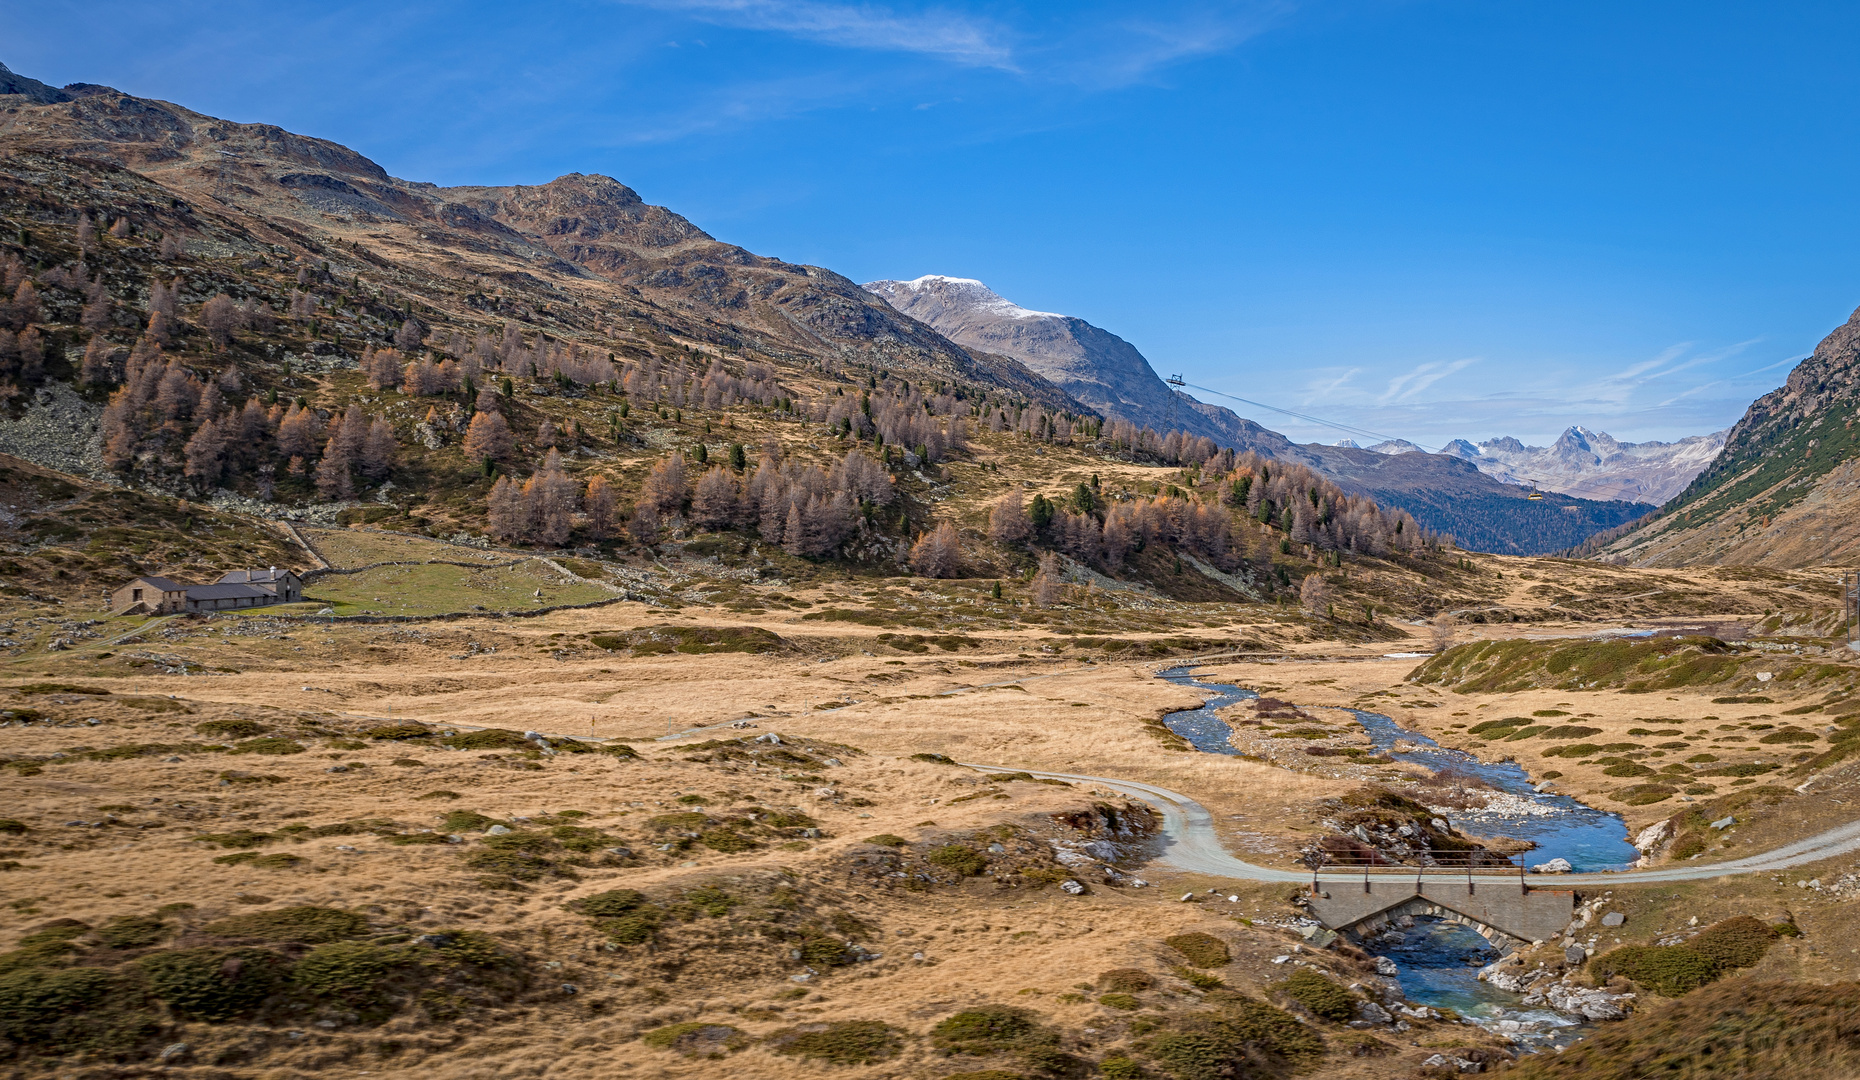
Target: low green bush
[1734, 943]
[696, 1039]
[609, 904]
[957, 858]
[1668, 970]
[270, 745]
[885, 839]
[215, 984]
[848, 1042]
[991, 1029]
[132, 931]
[488, 739]
[305, 924]
[1323, 996]
[231, 729]
[1126, 1002]
[351, 972]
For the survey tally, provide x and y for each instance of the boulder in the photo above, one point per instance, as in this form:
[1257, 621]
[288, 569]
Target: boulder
[1385, 966]
[1554, 866]
[1614, 918]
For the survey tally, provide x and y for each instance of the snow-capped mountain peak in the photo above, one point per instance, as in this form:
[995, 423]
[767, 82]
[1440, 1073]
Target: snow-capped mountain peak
[965, 294]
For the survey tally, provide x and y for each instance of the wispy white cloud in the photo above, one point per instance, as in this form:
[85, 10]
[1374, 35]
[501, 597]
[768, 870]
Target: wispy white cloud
[1406, 386]
[948, 35]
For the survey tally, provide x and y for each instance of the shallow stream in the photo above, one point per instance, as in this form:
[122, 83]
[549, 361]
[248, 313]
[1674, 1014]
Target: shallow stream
[1440, 961]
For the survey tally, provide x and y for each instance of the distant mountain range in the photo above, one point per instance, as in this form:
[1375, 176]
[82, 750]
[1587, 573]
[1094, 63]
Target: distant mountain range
[1586, 464]
[1445, 492]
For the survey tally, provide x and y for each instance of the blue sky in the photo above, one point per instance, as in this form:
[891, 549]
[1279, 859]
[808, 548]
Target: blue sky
[1429, 219]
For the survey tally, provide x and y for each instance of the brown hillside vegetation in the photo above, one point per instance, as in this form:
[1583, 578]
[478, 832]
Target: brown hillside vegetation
[1739, 1030]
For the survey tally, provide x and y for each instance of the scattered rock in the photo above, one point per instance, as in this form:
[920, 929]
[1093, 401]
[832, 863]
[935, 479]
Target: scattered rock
[1385, 966]
[497, 830]
[1574, 954]
[1375, 1014]
[1614, 918]
[1071, 888]
[1724, 823]
[174, 1051]
[1554, 866]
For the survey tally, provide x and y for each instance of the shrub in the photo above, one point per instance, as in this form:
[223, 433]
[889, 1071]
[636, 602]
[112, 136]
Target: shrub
[1200, 980]
[616, 749]
[1229, 1043]
[1668, 970]
[1627, 768]
[1117, 1067]
[1789, 735]
[934, 759]
[726, 840]
[12, 826]
[609, 904]
[1127, 981]
[348, 971]
[988, 1074]
[823, 951]
[308, 925]
[885, 839]
[489, 739]
[1734, 943]
[132, 932]
[848, 1042]
[410, 839]
[243, 838]
[955, 857]
[1120, 1001]
[696, 1039]
[1201, 950]
[789, 819]
[711, 900]
[1321, 995]
[398, 731]
[1742, 1028]
[231, 729]
[516, 864]
[36, 1005]
[991, 1029]
[579, 837]
[636, 928]
[439, 795]
[214, 984]
[271, 745]
[466, 821]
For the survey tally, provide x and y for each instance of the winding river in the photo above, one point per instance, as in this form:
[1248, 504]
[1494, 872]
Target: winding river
[1439, 961]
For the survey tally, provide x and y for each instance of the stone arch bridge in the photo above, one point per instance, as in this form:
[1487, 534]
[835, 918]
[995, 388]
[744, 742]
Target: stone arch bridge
[1504, 910]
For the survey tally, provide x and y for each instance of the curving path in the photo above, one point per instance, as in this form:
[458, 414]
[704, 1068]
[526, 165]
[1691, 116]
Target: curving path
[1192, 844]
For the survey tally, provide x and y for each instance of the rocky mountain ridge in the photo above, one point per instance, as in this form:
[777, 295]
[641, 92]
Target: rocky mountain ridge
[1785, 490]
[577, 230]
